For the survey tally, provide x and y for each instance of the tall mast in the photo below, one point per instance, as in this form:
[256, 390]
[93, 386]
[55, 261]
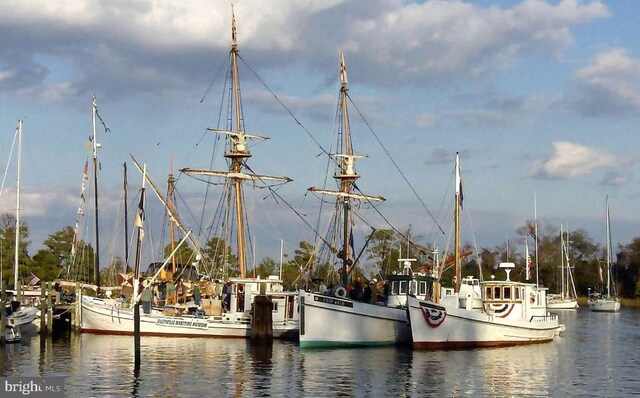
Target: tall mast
[237, 154]
[17, 247]
[96, 145]
[239, 151]
[456, 221]
[346, 173]
[170, 201]
[608, 237]
[126, 219]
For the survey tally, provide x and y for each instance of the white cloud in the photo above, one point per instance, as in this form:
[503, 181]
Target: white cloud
[610, 84]
[123, 46]
[570, 160]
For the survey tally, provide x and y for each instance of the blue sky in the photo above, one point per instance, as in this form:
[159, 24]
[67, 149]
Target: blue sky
[539, 97]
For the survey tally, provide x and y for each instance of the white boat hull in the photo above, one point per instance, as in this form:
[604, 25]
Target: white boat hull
[103, 317]
[12, 334]
[436, 326]
[604, 305]
[328, 321]
[562, 305]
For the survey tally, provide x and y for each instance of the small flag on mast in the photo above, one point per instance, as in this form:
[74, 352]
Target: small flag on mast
[529, 264]
[139, 222]
[458, 180]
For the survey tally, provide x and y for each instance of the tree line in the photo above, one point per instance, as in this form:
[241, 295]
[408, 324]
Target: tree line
[56, 259]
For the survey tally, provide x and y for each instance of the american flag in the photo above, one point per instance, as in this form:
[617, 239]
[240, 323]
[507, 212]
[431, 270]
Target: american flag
[34, 280]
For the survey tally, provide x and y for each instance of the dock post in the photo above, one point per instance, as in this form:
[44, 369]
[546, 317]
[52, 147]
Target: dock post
[3, 313]
[262, 319]
[49, 309]
[136, 335]
[43, 309]
[78, 310]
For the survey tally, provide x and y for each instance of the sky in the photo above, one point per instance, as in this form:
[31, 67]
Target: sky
[540, 98]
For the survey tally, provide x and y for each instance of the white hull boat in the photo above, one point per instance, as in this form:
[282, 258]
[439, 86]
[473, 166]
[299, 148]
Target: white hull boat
[365, 324]
[506, 313]
[107, 316]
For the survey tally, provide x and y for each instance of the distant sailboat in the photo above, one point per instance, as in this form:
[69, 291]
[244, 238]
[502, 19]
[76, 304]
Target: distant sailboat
[567, 298]
[607, 300]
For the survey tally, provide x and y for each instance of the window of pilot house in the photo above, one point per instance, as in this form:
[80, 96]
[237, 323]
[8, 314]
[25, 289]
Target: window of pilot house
[422, 288]
[403, 287]
[488, 294]
[517, 293]
[496, 292]
[506, 292]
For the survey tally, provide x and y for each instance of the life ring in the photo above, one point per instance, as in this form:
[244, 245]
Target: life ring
[532, 298]
[340, 292]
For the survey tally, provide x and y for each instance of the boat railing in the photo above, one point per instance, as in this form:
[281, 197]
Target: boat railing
[544, 318]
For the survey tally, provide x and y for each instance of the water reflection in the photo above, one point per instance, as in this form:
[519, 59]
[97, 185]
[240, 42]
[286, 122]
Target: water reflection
[595, 357]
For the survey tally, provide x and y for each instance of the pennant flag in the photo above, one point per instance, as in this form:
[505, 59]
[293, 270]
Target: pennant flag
[139, 222]
[528, 260]
[351, 244]
[458, 180]
[33, 280]
[85, 171]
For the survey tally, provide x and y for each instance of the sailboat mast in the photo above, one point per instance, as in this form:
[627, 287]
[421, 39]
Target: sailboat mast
[238, 152]
[17, 246]
[170, 201]
[96, 269]
[456, 221]
[126, 220]
[608, 237]
[346, 183]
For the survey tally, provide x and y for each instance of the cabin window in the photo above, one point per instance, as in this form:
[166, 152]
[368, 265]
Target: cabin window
[394, 288]
[496, 293]
[422, 291]
[517, 293]
[403, 287]
[488, 294]
[506, 292]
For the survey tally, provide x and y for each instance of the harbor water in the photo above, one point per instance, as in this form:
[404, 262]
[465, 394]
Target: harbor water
[597, 356]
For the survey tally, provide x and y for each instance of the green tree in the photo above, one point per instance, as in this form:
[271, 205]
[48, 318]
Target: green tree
[7, 249]
[184, 255]
[220, 255]
[267, 267]
[55, 260]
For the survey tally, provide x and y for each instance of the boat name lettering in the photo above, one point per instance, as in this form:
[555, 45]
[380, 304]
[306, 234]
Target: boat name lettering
[331, 300]
[182, 322]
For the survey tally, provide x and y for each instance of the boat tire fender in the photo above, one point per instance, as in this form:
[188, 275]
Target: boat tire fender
[340, 292]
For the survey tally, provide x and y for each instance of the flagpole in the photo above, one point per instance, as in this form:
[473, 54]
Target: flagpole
[535, 222]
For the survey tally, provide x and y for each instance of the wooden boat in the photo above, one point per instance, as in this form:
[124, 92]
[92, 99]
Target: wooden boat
[329, 317]
[208, 319]
[481, 313]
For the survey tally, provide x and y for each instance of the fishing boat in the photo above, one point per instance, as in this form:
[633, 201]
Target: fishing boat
[567, 298]
[331, 317]
[227, 305]
[481, 313]
[606, 300]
